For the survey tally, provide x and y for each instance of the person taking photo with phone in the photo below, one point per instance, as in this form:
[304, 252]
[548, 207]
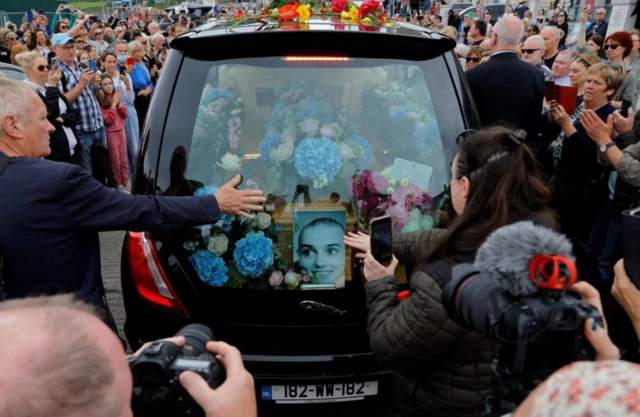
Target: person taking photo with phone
[141, 78]
[441, 368]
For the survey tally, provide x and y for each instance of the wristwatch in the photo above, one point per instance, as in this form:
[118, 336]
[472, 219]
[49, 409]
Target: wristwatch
[604, 148]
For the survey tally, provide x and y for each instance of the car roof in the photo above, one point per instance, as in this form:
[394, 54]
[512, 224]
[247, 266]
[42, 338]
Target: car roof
[241, 39]
[316, 23]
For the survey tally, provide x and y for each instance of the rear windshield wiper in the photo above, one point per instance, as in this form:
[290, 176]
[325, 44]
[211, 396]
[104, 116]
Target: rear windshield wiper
[309, 305]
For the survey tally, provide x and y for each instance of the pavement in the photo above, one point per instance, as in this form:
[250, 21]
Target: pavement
[111, 249]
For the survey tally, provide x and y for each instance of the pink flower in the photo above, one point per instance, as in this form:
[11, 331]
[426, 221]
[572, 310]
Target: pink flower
[276, 279]
[233, 140]
[399, 216]
[406, 196]
[371, 203]
[306, 278]
[357, 187]
[377, 183]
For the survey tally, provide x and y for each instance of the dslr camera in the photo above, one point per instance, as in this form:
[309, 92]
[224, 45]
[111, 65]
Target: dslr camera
[156, 387]
[535, 334]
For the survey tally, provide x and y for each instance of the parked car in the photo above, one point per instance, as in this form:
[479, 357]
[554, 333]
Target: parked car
[337, 125]
[12, 71]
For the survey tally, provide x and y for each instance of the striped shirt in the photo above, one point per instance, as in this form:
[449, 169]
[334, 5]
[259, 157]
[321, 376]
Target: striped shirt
[91, 116]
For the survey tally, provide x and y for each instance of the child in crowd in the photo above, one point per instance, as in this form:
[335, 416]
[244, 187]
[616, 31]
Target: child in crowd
[114, 112]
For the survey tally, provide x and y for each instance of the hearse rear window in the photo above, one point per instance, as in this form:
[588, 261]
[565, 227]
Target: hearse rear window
[332, 144]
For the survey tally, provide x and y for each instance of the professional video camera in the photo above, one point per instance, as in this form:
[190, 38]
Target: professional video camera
[516, 294]
[156, 388]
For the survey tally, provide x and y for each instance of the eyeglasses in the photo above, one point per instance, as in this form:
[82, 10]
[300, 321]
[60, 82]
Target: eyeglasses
[43, 68]
[529, 51]
[474, 59]
[66, 48]
[63, 27]
[97, 33]
[12, 39]
[561, 15]
[612, 46]
[144, 43]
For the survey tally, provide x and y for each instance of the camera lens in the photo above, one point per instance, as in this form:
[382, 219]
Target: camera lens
[196, 338]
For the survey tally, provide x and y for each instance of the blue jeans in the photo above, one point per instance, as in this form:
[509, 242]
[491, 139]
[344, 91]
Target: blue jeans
[87, 139]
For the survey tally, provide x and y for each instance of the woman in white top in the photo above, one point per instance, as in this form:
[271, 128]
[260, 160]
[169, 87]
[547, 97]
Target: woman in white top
[60, 114]
[122, 82]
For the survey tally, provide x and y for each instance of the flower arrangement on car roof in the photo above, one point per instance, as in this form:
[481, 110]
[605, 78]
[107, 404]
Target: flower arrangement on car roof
[309, 141]
[371, 12]
[239, 253]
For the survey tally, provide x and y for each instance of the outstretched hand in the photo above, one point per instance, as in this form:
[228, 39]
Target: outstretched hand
[359, 241]
[239, 202]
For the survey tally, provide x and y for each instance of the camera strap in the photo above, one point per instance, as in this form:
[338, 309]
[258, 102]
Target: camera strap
[4, 161]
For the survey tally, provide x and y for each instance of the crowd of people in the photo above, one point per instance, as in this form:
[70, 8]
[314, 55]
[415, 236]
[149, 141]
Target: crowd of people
[97, 78]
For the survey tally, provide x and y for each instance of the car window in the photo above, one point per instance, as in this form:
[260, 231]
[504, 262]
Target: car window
[13, 75]
[333, 145]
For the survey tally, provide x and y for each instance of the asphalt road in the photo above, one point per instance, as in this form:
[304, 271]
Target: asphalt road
[111, 248]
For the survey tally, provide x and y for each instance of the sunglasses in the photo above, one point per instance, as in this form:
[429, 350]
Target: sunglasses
[529, 51]
[612, 46]
[13, 38]
[97, 33]
[63, 27]
[43, 68]
[474, 59]
[561, 15]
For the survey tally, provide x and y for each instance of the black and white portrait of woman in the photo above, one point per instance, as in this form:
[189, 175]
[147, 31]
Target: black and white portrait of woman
[319, 248]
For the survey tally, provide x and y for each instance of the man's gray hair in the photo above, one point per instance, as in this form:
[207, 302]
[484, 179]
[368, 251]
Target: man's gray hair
[14, 100]
[153, 38]
[554, 29]
[509, 30]
[62, 369]
[571, 52]
[538, 39]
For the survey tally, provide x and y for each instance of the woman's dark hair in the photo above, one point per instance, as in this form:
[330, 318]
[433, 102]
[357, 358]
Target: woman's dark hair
[598, 40]
[105, 54]
[56, 27]
[505, 187]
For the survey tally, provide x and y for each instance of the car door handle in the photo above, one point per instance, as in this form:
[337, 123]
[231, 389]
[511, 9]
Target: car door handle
[309, 305]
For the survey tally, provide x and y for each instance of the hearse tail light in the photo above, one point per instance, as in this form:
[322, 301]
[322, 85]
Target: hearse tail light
[317, 58]
[149, 279]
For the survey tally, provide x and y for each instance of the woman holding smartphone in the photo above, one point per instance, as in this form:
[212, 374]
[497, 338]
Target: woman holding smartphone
[141, 78]
[440, 367]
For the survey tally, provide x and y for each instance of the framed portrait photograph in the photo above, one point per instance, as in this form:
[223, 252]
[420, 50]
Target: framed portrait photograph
[318, 246]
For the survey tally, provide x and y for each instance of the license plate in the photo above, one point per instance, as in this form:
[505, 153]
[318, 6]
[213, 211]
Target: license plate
[319, 393]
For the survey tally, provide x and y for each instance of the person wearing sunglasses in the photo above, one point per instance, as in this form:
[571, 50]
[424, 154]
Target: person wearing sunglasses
[533, 53]
[474, 56]
[617, 47]
[562, 24]
[59, 112]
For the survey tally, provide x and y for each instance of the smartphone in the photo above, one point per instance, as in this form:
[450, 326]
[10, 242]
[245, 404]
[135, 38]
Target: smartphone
[83, 66]
[624, 110]
[55, 63]
[550, 91]
[123, 71]
[590, 4]
[381, 235]
[93, 66]
[130, 61]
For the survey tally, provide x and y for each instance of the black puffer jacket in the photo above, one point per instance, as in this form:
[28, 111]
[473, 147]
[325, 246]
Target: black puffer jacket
[441, 369]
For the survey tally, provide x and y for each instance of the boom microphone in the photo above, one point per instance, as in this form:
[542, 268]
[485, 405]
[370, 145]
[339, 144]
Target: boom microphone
[508, 253]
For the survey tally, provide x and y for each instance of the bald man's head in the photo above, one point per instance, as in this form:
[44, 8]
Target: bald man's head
[601, 14]
[507, 34]
[58, 358]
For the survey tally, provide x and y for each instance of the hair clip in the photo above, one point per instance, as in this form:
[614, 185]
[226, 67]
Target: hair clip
[518, 136]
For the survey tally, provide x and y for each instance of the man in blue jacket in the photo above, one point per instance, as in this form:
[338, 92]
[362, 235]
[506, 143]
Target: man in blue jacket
[51, 213]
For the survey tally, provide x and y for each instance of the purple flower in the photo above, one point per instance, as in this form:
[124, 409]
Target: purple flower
[377, 183]
[406, 196]
[399, 217]
[371, 203]
[357, 187]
